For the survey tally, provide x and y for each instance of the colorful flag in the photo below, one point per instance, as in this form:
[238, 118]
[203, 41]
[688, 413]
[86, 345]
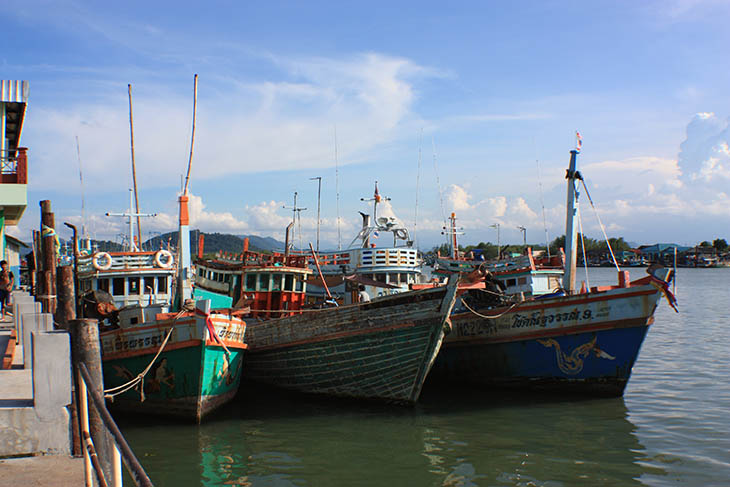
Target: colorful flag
[376, 195]
[578, 141]
[376, 234]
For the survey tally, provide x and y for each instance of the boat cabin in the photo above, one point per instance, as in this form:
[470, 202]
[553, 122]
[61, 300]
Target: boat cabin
[272, 285]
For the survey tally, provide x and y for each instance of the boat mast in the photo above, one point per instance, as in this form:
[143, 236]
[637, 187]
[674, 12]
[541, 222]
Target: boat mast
[452, 232]
[319, 199]
[571, 241]
[132, 247]
[183, 238]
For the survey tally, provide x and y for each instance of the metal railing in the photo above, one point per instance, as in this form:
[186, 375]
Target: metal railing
[121, 451]
[14, 166]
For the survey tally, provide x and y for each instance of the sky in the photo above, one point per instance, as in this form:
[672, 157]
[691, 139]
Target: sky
[469, 108]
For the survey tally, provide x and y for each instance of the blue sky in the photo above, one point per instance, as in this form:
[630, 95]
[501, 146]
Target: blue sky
[481, 90]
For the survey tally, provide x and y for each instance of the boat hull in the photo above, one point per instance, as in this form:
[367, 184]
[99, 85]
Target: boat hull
[379, 350]
[582, 343]
[192, 376]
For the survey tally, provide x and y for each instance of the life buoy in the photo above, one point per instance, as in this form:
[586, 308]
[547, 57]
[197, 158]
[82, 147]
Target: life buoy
[401, 234]
[163, 259]
[102, 261]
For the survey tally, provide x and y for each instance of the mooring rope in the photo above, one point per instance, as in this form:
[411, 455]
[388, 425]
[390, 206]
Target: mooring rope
[485, 316]
[115, 391]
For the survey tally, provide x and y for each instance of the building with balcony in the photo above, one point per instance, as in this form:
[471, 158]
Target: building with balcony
[13, 157]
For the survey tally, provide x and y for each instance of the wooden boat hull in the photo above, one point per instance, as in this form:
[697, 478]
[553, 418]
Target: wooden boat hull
[584, 343]
[379, 350]
[192, 376]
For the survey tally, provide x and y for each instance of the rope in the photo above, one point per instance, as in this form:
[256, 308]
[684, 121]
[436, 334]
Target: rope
[47, 231]
[601, 225]
[115, 391]
[485, 316]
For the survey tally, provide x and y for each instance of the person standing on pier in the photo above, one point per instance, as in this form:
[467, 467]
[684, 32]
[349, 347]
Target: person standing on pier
[7, 281]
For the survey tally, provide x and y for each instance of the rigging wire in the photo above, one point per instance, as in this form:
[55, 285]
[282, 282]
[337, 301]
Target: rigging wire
[337, 191]
[600, 223]
[542, 203]
[418, 182]
[438, 181]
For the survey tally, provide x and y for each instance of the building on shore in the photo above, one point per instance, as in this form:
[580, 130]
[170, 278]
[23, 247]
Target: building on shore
[13, 168]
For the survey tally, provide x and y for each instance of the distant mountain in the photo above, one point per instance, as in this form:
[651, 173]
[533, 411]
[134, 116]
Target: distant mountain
[214, 242]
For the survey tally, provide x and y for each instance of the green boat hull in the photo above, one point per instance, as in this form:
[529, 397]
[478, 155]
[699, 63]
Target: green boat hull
[187, 382]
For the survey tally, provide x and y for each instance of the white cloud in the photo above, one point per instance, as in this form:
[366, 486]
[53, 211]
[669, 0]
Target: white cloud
[284, 123]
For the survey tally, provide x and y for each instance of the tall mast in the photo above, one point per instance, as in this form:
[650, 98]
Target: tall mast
[571, 242]
[130, 215]
[452, 232]
[183, 238]
[134, 166]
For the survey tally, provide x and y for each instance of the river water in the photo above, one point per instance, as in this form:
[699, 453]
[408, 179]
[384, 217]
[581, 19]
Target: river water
[672, 427]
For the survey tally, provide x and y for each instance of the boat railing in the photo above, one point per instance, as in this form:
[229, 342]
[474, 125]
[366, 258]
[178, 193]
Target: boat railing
[121, 451]
[255, 258]
[121, 261]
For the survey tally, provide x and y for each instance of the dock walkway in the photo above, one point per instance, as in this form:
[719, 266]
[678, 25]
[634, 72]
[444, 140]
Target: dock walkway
[35, 440]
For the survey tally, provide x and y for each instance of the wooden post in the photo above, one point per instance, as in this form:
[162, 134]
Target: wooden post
[85, 350]
[48, 244]
[65, 290]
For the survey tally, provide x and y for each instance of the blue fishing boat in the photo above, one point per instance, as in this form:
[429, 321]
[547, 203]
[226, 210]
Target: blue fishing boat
[585, 341]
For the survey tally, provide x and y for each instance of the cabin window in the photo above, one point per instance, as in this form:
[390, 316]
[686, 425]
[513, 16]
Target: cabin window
[133, 285]
[226, 278]
[201, 272]
[250, 282]
[162, 285]
[393, 278]
[86, 285]
[263, 282]
[288, 282]
[276, 282]
[118, 286]
[103, 285]
[522, 280]
[149, 285]
[299, 285]
[380, 277]
[511, 282]
[404, 278]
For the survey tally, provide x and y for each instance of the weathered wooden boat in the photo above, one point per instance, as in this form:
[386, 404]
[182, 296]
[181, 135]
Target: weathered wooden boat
[382, 349]
[583, 342]
[158, 357]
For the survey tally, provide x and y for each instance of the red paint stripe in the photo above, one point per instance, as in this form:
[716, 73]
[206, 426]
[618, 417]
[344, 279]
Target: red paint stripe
[572, 330]
[335, 336]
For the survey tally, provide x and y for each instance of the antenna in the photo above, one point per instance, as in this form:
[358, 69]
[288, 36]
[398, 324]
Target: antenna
[337, 188]
[319, 199]
[524, 234]
[296, 216]
[542, 203]
[130, 215]
[83, 204]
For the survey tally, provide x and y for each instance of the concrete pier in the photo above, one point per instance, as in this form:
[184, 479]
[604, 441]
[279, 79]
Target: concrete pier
[34, 397]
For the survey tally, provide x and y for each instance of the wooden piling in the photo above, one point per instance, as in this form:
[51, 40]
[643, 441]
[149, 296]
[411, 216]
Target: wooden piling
[85, 349]
[65, 292]
[48, 248]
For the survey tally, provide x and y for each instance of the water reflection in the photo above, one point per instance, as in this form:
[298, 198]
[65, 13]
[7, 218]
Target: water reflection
[453, 438]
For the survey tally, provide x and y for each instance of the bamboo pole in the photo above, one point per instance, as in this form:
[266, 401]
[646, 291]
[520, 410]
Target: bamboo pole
[192, 137]
[134, 168]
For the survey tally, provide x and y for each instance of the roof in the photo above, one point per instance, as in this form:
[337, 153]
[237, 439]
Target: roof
[13, 240]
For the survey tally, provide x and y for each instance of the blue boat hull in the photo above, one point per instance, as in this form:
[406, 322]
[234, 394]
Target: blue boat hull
[597, 362]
